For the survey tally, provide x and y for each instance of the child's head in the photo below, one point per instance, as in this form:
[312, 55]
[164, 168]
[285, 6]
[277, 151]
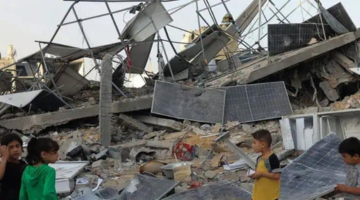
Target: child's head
[350, 150]
[14, 144]
[261, 140]
[42, 150]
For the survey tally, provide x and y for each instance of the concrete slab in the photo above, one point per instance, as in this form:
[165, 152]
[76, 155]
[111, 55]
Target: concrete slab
[36, 123]
[261, 68]
[159, 144]
[344, 61]
[330, 92]
[135, 123]
[161, 122]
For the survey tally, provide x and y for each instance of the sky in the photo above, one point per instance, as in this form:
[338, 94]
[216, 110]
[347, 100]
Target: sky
[24, 22]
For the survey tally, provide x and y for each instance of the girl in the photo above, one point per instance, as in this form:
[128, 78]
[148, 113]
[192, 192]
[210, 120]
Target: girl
[11, 168]
[38, 180]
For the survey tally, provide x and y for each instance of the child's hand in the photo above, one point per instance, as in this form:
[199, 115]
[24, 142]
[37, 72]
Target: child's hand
[341, 188]
[4, 152]
[256, 175]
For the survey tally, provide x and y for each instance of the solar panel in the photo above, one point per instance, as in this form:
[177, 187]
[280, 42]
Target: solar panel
[144, 187]
[287, 37]
[255, 102]
[315, 173]
[191, 103]
[222, 190]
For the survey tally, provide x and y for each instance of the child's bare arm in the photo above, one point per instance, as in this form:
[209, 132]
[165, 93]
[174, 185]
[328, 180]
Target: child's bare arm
[346, 189]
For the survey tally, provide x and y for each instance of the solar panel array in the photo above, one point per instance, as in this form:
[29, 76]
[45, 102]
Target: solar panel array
[315, 173]
[192, 103]
[222, 190]
[287, 37]
[256, 102]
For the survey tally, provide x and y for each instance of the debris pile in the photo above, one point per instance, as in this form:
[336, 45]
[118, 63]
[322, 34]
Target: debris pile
[186, 134]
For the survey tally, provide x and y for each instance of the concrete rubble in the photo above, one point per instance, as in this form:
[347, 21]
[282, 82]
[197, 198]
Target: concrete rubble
[127, 146]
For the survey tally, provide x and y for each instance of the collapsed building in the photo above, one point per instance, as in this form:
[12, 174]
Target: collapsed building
[189, 128]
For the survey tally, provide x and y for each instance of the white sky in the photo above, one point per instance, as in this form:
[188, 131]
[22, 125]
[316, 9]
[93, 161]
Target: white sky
[24, 21]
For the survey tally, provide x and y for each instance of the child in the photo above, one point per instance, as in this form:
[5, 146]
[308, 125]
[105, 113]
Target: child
[38, 180]
[350, 151]
[11, 168]
[267, 174]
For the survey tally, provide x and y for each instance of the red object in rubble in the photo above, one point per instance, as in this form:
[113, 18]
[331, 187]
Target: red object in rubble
[195, 184]
[184, 152]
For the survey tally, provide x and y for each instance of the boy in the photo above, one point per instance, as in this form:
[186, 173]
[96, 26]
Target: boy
[11, 168]
[350, 151]
[267, 174]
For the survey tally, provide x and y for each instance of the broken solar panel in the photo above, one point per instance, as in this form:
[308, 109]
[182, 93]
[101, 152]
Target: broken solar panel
[223, 190]
[287, 37]
[191, 103]
[249, 103]
[315, 173]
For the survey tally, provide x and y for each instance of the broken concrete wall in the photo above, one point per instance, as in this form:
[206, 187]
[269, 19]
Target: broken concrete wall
[36, 123]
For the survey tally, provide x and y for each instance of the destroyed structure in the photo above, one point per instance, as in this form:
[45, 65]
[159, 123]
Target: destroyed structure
[187, 133]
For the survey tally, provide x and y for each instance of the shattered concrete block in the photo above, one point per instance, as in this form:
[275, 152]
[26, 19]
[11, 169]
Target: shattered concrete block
[97, 164]
[160, 122]
[159, 144]
[216, 159]
[344, 61]
[130, 144]
[135, 123]
[153, 134]
[210, 174]
[175, 135]
[330, 92]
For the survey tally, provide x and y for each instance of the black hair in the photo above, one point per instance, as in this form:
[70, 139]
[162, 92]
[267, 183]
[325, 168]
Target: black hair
[264, 136]
[38, 145]
[350, 146]
[5, 140]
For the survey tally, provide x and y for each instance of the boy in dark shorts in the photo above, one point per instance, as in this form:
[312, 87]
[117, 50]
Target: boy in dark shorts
[350, 151]
[267, 174]
[11, 168]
